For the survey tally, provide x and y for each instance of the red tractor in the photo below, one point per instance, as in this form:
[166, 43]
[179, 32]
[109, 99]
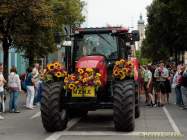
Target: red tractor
[97, 48]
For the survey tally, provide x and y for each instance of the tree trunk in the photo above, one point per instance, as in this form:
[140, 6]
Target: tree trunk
[6, 46]
[31, 61]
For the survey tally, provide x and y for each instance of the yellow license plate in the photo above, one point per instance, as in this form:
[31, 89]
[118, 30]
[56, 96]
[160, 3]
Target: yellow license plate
[84, 92]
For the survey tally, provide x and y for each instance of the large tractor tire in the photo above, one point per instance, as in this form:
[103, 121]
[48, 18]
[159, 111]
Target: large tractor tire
[53, 113]
[124, 106]
[137, 104]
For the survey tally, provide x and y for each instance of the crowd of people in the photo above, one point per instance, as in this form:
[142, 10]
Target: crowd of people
[29, 83]
[158, 81]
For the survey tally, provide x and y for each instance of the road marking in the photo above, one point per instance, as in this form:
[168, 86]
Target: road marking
[35, 115]
[176, 133]
[57, 135]
[54, 136]
[72, 123]
[172, 122]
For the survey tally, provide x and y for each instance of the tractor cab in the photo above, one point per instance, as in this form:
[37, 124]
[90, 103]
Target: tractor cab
[105, 44]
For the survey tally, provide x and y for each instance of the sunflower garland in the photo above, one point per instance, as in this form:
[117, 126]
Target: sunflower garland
[83, 77]
[55, 70]
[122, 69]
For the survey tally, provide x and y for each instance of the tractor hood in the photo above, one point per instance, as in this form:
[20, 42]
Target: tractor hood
[96, 62]
[90, 61]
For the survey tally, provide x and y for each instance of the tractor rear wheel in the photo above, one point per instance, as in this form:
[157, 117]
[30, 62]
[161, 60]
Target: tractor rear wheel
[53, 112]
[137, 98]
[137, 106]
[137, 111]
[124, 106]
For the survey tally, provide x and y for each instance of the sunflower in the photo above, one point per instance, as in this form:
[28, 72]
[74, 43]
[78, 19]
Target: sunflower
[115, 72]
[129, 63]
[122, 77]
[72, 86]
[98, 74]
[98, 82]
[65, 73]
[58, 74]
[66, 80]
[122, 61]
[80, 71]
[90, 70]
[50, 67]
[57, 65]
[121, 73]
[117, 62]
[84, 80]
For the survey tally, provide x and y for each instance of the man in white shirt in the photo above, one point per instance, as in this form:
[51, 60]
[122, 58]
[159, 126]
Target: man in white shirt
[36, 78]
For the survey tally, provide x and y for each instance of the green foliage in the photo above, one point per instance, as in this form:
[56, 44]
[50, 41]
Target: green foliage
[31, 24]
[138, 54]
[166, 31]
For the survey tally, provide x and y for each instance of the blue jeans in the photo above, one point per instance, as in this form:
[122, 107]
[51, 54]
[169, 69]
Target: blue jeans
[13, 100]
[184, 94]
[1, 101]
[179, 99]
[39, 93]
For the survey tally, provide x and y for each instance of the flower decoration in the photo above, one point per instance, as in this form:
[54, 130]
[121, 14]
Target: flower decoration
[122, 69]
[54, 70]
[83, 77]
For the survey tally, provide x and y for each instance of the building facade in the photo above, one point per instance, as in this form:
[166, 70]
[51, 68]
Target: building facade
[15, 59]
[141, 29]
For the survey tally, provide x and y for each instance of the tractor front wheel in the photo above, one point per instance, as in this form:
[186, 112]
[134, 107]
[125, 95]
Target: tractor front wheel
[124, 106]
[53, 113]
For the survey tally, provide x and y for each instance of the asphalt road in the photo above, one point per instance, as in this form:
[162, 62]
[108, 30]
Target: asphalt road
[167, 123]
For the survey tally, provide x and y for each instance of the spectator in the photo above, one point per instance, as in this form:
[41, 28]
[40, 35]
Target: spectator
[161, 74]
[145, 80]
[22, 78]
[14, 85]
[154, 91]
[2, 83]
[29, 82]
[148, 85]
[40, 83]
[184, 88]
[177, 81]
[36, 77]
[168, 84]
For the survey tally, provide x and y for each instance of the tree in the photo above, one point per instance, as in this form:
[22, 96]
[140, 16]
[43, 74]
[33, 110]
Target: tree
[29, 25]
[166, 30]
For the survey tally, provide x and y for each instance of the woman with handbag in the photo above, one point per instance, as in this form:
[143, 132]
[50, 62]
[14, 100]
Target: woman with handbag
[14, 85]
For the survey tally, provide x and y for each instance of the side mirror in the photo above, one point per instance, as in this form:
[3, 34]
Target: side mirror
[135, 35]
[67, 44]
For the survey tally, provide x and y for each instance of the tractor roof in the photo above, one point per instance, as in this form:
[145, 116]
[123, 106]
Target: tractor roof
[101, 30]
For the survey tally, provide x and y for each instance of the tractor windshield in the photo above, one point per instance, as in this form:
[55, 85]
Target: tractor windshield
[96, 44]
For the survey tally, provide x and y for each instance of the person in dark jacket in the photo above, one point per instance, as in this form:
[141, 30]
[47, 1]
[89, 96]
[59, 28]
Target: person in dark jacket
[29, 82]
[184, 88]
